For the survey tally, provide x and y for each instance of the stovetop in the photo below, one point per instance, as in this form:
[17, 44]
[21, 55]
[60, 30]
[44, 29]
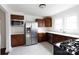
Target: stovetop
[71, 47]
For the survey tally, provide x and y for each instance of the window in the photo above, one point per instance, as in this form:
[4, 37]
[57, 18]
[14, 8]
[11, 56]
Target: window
[67, 24]
[58, 26]
[70, 24]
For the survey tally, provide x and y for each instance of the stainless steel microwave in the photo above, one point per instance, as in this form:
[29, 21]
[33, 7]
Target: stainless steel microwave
[15, 23]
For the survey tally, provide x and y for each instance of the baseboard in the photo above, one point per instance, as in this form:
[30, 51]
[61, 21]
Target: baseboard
[3, 51]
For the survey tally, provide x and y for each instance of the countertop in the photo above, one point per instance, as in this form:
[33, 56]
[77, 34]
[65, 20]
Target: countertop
[61, 33]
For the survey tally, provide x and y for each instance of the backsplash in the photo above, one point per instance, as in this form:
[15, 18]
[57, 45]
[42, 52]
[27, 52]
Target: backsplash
[44, 29]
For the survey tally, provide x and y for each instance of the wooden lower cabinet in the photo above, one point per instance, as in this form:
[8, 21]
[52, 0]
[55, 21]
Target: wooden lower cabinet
[58, 38]
[55, 38]
[17, 40]
[49, 37]
[41, 37]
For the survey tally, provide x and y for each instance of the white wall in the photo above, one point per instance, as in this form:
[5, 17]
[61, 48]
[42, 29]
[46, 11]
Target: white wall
[8, 33]
[3, 29]
[0, 33]
[20, 29]
[17, 30]
[71, 11]
[40, 29]
[7, 28]
[31, 17]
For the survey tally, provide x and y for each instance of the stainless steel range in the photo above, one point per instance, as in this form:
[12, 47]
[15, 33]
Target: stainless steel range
[71, 47]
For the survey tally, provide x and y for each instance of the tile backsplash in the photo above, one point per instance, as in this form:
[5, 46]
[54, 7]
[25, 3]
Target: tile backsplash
[43, 29]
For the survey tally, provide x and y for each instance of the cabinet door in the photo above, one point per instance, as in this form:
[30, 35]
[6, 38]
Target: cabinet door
[49, 37]
[17, 40]
[58, 38]
[14, 41]
[41, 22]
[20, 39]
[48, 21]
[17, 17]
[41, 37]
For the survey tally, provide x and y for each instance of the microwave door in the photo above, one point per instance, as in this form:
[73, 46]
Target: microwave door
[14, 23]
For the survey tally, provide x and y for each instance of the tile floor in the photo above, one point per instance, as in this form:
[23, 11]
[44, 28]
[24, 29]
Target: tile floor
[43, 48]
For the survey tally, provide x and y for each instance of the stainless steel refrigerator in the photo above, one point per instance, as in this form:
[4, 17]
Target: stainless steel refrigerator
[31, 33]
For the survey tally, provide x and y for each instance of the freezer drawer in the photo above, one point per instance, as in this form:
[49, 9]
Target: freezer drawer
[34, 40]
[28, 40]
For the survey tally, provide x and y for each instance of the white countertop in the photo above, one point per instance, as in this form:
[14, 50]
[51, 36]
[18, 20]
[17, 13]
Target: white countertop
[61, 33]
[65, 34]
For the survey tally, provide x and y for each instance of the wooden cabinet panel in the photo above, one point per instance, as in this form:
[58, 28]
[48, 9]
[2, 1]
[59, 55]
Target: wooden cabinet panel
[20, 39]
[45, 22]
[49, 37]
[52, 38]
[17, 17]
[41, 37]
[17, 40]
[58, 38]
[13, 40]
[41, 22]
[48, 21]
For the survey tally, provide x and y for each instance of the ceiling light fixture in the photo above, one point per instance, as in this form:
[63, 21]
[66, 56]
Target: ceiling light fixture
[42, 5]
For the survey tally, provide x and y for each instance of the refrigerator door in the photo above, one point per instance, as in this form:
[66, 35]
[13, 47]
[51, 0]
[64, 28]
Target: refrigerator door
[34, 33]
[28, 39]
[31, 33]
[34, 40]
[28, 36]
[35, 26]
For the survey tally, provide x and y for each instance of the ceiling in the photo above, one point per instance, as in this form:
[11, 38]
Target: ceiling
[33, 9]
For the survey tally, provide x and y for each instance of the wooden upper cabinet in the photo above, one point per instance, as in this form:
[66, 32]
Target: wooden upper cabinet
[48, 21]
[17, 17]
[41, 22]
[45, 22]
